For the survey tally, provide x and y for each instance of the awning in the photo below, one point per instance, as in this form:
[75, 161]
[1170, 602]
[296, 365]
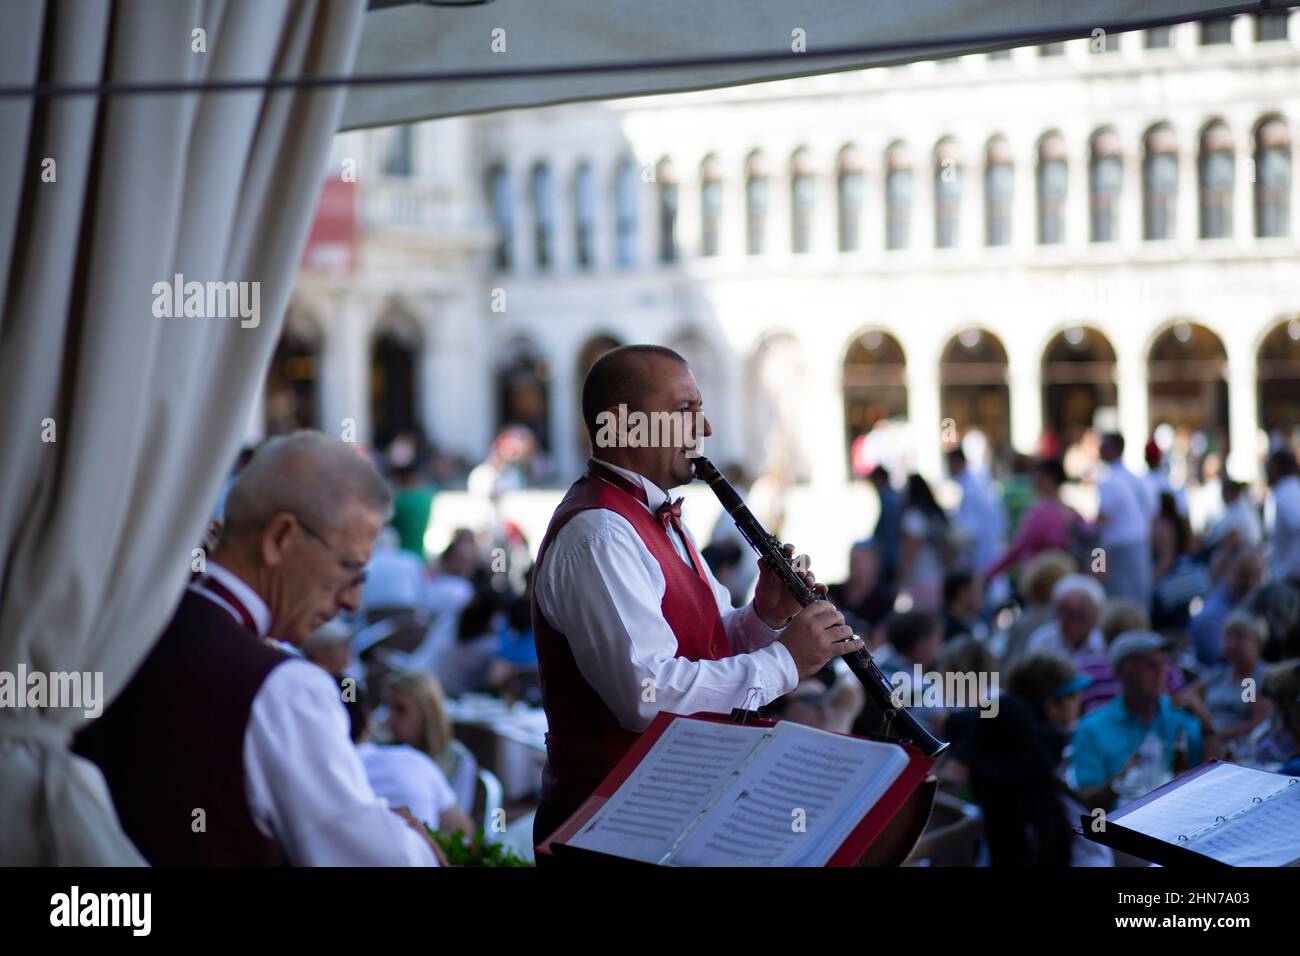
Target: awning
[513, 53]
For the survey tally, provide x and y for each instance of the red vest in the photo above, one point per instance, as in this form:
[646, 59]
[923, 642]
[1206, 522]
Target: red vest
[585, 740]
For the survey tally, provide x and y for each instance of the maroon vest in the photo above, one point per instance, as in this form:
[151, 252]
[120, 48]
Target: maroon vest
[173, 742]
[584, 740]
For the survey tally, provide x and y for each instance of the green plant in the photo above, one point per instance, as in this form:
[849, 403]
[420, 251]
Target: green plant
[476, 852]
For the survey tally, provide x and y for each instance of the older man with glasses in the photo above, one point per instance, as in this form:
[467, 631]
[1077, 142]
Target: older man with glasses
[225, 750]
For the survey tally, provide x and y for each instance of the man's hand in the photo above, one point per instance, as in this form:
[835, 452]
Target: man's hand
[811, 638]
[773, 602]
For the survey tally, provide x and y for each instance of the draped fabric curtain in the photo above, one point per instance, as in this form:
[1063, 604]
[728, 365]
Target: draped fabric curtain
[120, 422]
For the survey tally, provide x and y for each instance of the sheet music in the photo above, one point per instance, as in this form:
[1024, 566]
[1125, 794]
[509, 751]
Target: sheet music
[685, 770]
[830, 779]
[1267, 834]
[1221, 791]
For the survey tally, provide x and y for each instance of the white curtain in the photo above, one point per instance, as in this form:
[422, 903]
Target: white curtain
[516, 34]
[119, 425]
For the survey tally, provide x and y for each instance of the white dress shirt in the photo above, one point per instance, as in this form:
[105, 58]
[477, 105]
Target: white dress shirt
[601, 587]
[1047, 639]
[1285, 529]
[405, 777]
[305, 784]
[1123, 501]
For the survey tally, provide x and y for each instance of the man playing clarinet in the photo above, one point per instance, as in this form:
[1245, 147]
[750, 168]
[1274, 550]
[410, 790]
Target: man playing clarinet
[628, 619]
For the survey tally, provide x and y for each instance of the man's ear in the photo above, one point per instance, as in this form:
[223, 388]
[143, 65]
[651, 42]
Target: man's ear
[611, 431]
[275, 537]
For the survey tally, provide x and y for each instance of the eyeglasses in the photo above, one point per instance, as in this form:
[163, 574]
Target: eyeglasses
[354, 568]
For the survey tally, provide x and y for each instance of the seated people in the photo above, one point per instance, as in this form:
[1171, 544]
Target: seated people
[402, 775]
[912, 641]
[1036, 583]
[1228, 696]
[1277, 741]
[1139, 729]
[1010, 761]
[1073, 633]
[417, 716]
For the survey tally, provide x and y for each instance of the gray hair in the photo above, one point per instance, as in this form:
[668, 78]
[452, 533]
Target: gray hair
[1246, 623]
[1083, 584]
[308, 474]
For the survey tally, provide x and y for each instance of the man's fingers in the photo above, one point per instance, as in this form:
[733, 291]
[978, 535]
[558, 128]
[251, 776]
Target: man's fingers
[820, 609]
[846, 647]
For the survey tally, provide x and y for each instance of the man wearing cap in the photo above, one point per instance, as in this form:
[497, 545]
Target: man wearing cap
[1108, 739]
[628, 619]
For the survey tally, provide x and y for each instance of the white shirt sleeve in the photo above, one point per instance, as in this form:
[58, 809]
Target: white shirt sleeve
[745, 629]
[305, 783]
[600, 586]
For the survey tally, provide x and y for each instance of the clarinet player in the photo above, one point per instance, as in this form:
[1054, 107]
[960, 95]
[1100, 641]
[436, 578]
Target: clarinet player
[628, 619]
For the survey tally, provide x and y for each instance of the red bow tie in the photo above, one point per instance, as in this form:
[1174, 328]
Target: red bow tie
[670, 512]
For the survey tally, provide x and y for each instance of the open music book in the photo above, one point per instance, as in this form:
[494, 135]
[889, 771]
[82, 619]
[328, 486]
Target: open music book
[721, 794]
[1231, 815]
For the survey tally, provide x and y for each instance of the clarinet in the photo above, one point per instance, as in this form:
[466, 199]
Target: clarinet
[894, 721]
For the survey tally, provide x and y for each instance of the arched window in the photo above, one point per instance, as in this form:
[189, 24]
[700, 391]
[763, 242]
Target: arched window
[1078, 376]
[776, 389]
[503, 214]
[399, 156]
[666, 182]
[756, 199]
[543, 216]
[1187, 383]
[1271, 25]
[1158, 38]
[803, 197]
[898, 197]
[584, 216]
[848, 193]
[523, 380]
[1217, 174]
[1216, 30]
[1105, 182]
[973, 389]
[1159, 183]
[999, 178]
[1053, 181]
[394, 376]
[947, 195]
[1277, 377]
[1272, 179]
[710, 205]
[291, 381]
[875, 393]
[625, 213]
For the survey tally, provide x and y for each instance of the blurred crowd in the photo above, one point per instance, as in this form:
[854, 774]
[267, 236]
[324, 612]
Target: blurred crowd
[1103, 653]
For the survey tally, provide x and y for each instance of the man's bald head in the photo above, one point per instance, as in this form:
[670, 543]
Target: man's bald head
[308, 474]
[622, 376]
